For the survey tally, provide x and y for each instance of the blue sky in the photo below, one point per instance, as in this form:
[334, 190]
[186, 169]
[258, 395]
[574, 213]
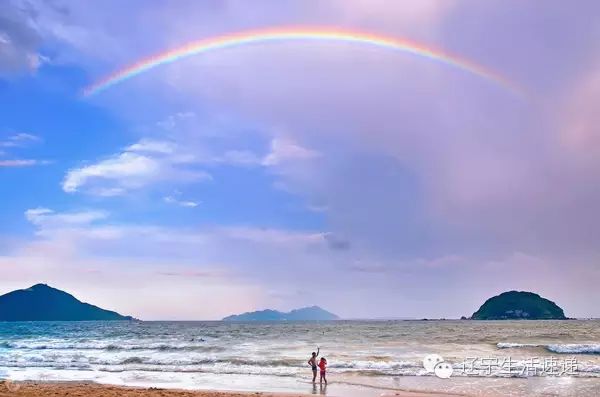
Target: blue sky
[369, 182]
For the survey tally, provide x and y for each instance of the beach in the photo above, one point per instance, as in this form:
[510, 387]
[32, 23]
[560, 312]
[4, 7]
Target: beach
[33, 389]
[365, 358]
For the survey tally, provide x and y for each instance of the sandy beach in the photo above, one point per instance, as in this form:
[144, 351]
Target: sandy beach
[71, 389]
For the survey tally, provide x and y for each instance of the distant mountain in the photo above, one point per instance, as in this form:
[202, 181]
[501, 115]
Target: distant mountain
[513, 305]
[44, 303]
[312, 313]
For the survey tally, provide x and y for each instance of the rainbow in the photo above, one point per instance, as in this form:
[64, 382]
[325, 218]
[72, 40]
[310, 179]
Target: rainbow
[297, 34]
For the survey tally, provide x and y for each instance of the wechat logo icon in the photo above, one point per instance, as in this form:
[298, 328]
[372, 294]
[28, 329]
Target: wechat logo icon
[434, 363]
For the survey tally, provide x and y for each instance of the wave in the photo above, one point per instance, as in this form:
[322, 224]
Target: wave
[509, 345]
[567, 348]
[112, 347]
[167, 348]
[141, 365]
[590, 348]
[275, 363]
[375, 365]
[272, 366]
[132, 360]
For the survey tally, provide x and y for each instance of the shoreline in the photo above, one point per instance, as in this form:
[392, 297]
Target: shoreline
[91, 389]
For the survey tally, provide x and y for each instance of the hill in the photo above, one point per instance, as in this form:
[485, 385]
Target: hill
[44, 303]
[519, 305]
[312, 313]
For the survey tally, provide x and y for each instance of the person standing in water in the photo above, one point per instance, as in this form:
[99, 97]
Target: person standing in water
[323, 368]
[313, 363]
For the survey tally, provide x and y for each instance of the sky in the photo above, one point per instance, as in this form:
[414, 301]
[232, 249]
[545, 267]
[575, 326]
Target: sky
[373, 182]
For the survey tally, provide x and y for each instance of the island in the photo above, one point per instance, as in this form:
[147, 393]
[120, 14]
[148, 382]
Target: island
[313, 313]
[519, 305]
[44, 303]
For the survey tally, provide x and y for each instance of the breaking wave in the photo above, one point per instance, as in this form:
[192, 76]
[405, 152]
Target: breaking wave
[567, 348]
[111, 347]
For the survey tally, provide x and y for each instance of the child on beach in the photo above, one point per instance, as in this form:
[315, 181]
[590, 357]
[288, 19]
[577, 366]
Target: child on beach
[323, 368]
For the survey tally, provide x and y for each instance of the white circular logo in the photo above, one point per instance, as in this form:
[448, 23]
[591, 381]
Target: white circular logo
[436, 364]
[431, 360]
[443, 370]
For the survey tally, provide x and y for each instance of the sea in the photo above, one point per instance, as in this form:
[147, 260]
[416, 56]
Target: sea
[365, 358]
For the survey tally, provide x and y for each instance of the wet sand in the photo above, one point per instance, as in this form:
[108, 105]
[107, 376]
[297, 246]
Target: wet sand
[35, 389]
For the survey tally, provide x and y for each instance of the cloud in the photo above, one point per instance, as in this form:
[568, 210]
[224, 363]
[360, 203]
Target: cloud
[376, 268]
[443, 183]
[150, 162]
[152, 146]
[44, 217]
[16, 142]
[286, 150]
[190, 273]
[22, 162]
[96, 224]
[282, 151]
[139, 165]
[239, 157]
[19, 39]
[19, 140]
[255, 264]
[579, 134]
[271, 236]
[451, 162]
[181, 203]
[120, 283]
[127, 169]
[174, 121]
[337, 243]
[85, 249]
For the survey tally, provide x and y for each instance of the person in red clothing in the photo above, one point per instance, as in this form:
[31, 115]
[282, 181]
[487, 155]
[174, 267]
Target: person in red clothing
[323, 368]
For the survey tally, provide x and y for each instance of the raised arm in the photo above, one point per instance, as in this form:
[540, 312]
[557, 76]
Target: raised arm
[318, 350]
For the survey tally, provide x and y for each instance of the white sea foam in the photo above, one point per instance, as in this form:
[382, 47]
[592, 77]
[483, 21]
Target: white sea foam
[575, 348]
[509, 345]
[565, 348]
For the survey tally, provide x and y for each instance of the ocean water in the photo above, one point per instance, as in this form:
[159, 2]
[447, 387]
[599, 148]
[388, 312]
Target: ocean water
[366, 358]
